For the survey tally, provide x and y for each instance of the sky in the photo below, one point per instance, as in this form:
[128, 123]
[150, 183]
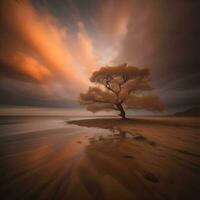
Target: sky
[49, 48]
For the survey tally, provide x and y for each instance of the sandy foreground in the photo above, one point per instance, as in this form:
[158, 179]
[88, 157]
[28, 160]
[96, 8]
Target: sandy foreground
[111, 159]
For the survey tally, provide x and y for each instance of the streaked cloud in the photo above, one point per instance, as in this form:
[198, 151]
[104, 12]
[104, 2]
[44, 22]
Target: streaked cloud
[114, 18]
[48, 49]
[84, 50]
[45, 49]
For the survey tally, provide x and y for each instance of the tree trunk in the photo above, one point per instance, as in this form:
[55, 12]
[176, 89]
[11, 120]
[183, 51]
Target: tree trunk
[122, 112]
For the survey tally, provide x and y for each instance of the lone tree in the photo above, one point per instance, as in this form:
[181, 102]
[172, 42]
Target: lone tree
[119, 87]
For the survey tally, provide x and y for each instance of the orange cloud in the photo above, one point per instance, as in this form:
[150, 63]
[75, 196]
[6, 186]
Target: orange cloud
[46, 47]
[41, 35]
[30, 67]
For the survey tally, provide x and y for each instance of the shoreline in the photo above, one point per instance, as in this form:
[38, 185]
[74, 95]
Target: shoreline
[193, 122]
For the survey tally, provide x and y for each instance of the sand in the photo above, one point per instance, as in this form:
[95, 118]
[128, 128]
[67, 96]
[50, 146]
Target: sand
[153, 158]
[104, 159]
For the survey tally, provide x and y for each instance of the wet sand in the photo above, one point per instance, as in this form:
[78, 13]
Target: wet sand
[153, 158]
[111, 159]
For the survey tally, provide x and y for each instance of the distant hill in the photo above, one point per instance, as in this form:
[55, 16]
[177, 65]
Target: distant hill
[194, 111]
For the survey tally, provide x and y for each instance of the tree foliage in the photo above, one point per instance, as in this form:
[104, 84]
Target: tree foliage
[119, 87]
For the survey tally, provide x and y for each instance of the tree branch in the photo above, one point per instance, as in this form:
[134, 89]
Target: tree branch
[107, 85]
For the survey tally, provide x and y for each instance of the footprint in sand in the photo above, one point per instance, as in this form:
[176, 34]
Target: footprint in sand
[151, 177]
[128, 156]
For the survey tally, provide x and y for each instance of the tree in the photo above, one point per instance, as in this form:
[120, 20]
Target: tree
[120, 86]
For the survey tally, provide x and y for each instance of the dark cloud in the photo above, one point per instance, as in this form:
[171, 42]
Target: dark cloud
[165, 36]
[17, 92]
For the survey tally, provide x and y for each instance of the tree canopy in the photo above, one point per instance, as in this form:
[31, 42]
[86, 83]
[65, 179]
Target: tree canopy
[120, 87]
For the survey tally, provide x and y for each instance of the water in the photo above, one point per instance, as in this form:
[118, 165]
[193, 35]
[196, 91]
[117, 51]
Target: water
[20, 125]
[14, 125]
[36, 152]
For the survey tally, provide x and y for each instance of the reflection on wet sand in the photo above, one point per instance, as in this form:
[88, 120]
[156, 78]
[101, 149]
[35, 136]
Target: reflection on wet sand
[43, 165]
[115, 160]
[104, 164]
[146, 161]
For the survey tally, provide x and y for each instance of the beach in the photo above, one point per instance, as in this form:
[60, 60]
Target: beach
[111, 159]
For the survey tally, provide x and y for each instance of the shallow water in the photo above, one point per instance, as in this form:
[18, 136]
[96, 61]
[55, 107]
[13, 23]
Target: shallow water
[36, 152]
